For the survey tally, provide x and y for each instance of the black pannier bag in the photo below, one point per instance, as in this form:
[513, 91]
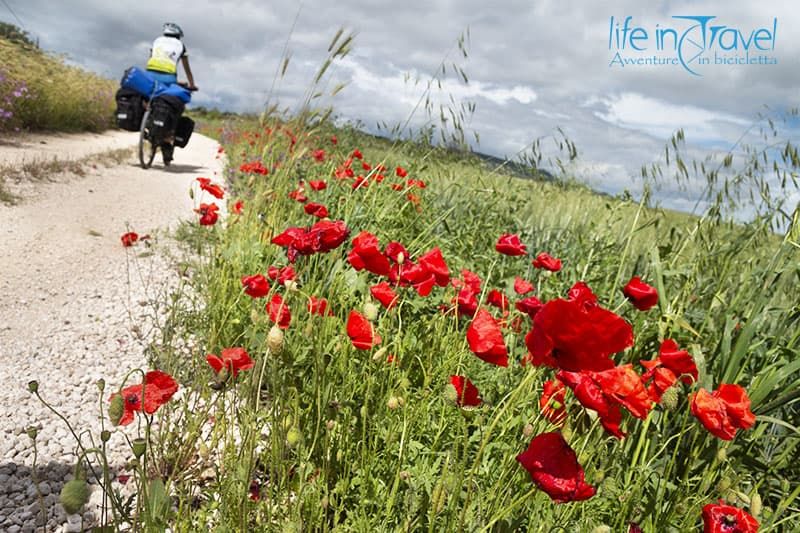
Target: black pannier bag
[183, 132]
[164, 114]
[130, 109]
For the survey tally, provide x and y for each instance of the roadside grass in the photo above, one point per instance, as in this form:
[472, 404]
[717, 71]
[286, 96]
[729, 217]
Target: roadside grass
[41, 92]
[322, 436]
[48, 169]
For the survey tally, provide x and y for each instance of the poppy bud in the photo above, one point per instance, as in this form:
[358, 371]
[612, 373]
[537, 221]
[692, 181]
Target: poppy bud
[105, 435]
[33, 386]
[380, 354]
[724, 484]
[339, 455]
[293, 437]
[101, 384]
[309, 330]
[191, 193]
[330, 424]
[116, 409]
[74, 495]
[32, 432]
[370, 311]
[364, 412]
[291, 285]
[404, 475]
[202, 450]
[138, 446]
[401, 258]
[275, 339]
[527, 431]
[255, 316]
[602, 529]
[324, 503]
[722, 455]
[755, 504]
[393, 402]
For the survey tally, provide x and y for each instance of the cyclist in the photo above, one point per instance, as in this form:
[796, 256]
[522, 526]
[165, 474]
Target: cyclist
[165, 53]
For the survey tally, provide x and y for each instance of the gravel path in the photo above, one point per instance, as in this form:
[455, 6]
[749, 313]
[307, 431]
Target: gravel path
[71, 305]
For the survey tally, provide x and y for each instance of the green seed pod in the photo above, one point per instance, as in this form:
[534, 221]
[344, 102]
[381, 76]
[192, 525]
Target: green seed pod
[74, 495]
[32, 432]
[101, 384]
[33, 386]
[139, 446]
[116, 409]
[105, 435]
[275, 339]
[670, 398]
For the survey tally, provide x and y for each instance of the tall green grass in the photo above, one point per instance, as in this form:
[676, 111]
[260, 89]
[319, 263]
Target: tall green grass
[39, 91]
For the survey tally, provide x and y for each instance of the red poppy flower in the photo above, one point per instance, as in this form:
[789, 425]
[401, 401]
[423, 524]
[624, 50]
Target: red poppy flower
[212, 188]
[281, 275]
[641, 295]
[357, 154]
[401, 172]
[416, 183]
[323, 236]
[530, 306]
[361, 332]
[554, 468]
[582, 294]
[318, 210]
[545, 261]
[279, 312]
[509, 244]
[256, 286]
[723, 411]
[497, 299]
[334, 140]
[486, 340]
[393, 251]
[319, 155]
[604, 392]
[366, 166]
[208, 214]
[397, 186]
[721, 518]
[318, 306]
[254, 167]
[234, 359]
[237, 208]
[366, 254]
[522, 286]
[467, 394]
[318, 185]
[158, 389]
[384, 294]
[551, 402]
[298, 195]
[671, 364]
[570, 335]
[129, 238]
[433, 262]
[466, 302]
[470, 280]
[361, 182]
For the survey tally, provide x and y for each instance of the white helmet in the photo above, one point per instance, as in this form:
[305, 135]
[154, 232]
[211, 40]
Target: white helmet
[173, 30]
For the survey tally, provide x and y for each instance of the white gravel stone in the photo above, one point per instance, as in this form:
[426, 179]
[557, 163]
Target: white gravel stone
[68, 304]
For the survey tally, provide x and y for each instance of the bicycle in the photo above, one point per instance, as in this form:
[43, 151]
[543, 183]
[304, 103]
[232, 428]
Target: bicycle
[148, 142]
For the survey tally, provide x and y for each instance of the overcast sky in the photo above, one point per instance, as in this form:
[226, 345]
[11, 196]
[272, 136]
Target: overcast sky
[533, 66]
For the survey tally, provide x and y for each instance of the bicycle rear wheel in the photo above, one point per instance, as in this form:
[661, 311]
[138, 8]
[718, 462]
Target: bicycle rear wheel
[147, 150]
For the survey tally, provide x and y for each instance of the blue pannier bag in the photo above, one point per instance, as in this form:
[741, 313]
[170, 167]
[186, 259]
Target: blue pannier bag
[138, 80]
[175, 90]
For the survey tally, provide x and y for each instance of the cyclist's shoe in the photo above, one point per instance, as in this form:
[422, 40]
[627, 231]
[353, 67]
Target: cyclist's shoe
[166, 152]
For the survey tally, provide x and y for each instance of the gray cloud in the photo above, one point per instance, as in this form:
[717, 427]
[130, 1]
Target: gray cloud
[533, 66]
